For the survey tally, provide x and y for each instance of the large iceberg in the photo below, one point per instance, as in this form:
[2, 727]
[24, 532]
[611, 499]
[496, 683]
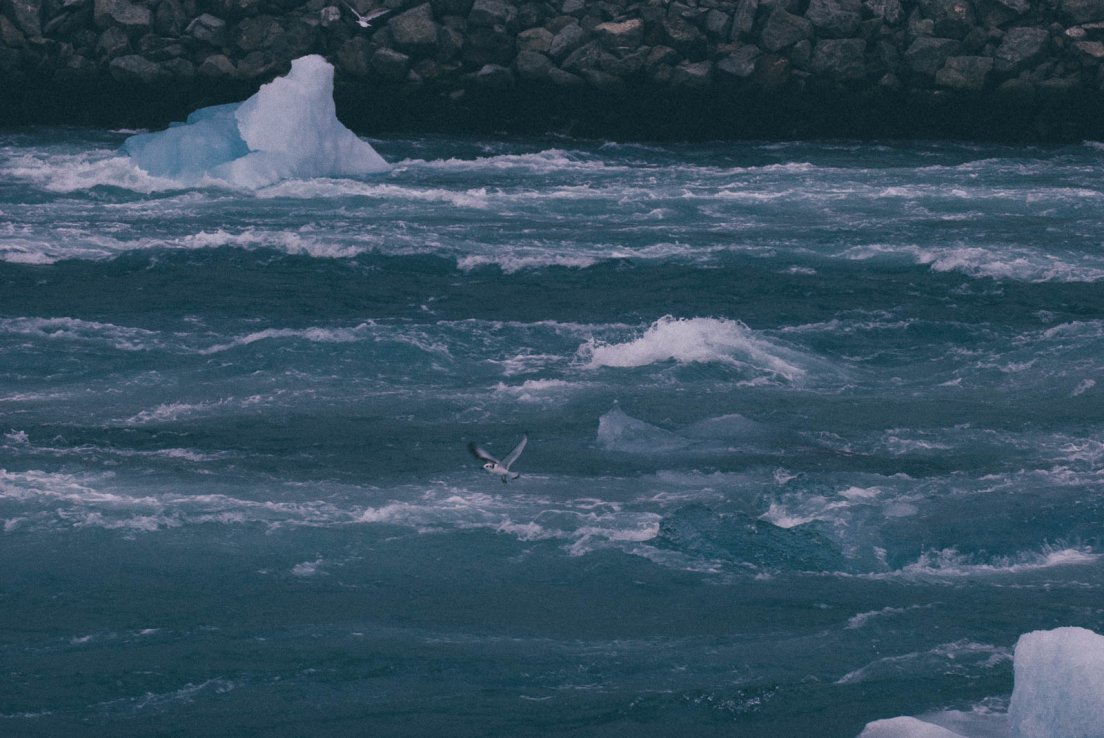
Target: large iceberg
[1058, 693]
[1059, 689]
[288, 129]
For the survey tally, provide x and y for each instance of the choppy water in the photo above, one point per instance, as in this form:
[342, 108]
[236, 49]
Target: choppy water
[816, 433]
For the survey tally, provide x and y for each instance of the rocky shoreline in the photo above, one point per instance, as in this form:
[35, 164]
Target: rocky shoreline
[673, 69]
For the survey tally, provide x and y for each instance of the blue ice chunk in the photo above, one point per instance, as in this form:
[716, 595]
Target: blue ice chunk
[289, 129]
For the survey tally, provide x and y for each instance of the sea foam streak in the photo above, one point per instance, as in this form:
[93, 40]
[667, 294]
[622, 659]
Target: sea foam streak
[288, 129]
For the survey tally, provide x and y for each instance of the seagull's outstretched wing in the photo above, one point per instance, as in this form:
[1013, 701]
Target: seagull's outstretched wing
[376, 14]
[516, 452]
[479, 453]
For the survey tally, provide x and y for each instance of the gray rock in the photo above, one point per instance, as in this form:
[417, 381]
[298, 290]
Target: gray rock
[442, 8]
[839, 58]
[389, 64]
[76, 69]
[772, 72]
[1083, 11]
[573, 7]
[485, 45]
[624, 35]
[604, 81]
[1018, 7]
[1091, 49]
[560, 78]
[112, 43]
[801, 54]
[743, 19]
[538, 40]
[1020, 48]
[888, 10]
[494, 76]
[532, 65]
[217, 66]
[968, 73]
[123, 13]
[170, 19]
[740, 63]
[137, 70]
[10, 36]
[717, 23]
[492, 13]
[414, 31]
[835, 18]
[588, 56]
[450, 43]
[566, 41]
[26, 14]
[233, 8]
[354, 57]
[927, 55]
[660, 55]
[684, 37]
[257, 33]
[329, 16]
[208, 29]
[180, 69]
[696, 76]
[1015, 93]
[784, 29]
[950, 18]
[257, 64]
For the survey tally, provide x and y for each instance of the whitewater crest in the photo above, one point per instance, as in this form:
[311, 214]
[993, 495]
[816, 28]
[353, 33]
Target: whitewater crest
[288, 129]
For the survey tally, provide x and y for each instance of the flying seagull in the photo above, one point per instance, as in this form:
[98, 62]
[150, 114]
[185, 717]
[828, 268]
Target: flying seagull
[501, 468]
[365, 21]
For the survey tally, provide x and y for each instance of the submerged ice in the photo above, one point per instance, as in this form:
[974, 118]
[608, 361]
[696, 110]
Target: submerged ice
[288, 129]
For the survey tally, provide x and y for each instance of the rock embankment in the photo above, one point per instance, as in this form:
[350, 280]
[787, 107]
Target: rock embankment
[1029, 69]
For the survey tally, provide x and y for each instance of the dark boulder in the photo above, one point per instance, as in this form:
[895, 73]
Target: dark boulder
[415, 31]
[835, 18]
[784, 29]
[839, 58]
[129, 16]
[137, 70]
[627, 34]
[390, 65]
[1083, 11]
[927, 55]
[26, 15]
[965, 73]
[1020, 48]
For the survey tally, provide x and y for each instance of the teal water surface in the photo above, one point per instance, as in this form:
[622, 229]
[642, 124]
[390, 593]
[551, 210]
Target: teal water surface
[815, 434]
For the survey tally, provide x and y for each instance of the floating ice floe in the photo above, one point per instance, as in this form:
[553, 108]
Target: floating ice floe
[1058, 693]
[288, 129]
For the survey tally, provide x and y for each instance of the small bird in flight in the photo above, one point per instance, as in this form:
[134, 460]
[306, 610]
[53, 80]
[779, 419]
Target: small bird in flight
[501, 468]
[365, 21]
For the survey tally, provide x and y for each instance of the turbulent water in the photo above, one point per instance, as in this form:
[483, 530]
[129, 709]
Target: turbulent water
[815, 435]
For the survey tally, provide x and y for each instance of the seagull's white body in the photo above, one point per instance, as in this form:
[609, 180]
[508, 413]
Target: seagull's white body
[501, 468]
[365, 21]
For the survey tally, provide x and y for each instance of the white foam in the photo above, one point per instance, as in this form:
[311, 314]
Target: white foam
[959, 657]
[950, 563]
[73, 329]
[1000, 262]
[289, 128]
[696, 340]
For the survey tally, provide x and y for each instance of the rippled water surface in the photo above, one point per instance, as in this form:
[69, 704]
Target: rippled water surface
[815, 434]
